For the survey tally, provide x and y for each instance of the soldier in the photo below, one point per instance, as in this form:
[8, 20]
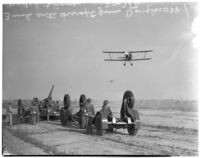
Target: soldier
[35, 110]
[9, 113]
[89, 107]
[89, 119]
[106, 110]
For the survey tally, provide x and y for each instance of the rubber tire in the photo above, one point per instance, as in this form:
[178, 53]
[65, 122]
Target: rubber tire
[98, 125]
[128, 95]
[82, 100]
[132, 131]
[67, 101]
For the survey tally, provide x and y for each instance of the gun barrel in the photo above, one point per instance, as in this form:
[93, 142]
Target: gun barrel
[50, 93]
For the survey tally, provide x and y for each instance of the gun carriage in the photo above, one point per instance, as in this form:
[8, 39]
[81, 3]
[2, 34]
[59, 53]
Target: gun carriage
[102, 121]
[29, 114]
[48, 108]
[129, 118]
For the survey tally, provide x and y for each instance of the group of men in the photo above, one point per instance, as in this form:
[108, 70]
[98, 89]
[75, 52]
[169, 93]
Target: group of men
[89, 107]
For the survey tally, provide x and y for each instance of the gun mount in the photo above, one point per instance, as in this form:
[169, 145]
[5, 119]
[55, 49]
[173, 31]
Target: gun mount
[48, 108]
[129, 118]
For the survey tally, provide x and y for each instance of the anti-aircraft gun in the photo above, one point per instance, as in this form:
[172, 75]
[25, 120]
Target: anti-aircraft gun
[129, 118]
[66, 113]
[25, 114]
[48, 108]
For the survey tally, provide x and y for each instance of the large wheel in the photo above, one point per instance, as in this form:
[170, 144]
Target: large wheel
[82, 100]
[67, 101]
[81, 118]
[132, 131]
[128, 95]
[98, 125]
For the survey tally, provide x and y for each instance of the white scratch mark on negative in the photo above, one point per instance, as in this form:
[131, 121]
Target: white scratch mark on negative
[186, 10]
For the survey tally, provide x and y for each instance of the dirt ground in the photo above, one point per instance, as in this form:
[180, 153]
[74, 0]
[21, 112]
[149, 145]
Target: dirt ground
[47, 138]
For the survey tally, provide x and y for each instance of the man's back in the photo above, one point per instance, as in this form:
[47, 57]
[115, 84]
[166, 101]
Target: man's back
[90, 109]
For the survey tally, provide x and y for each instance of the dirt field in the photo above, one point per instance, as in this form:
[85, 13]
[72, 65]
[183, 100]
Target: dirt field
[167, 128]
[51, 138]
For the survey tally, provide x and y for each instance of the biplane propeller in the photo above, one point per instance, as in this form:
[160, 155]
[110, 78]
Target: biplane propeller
[128, 57]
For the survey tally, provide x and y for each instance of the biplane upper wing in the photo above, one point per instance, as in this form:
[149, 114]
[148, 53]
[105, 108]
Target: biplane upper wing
[114, 52]
[143, 51]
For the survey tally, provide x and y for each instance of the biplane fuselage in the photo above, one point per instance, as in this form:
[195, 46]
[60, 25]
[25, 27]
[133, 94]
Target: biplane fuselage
[128, 56]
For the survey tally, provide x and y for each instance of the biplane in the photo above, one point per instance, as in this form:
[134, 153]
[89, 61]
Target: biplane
[128, 57]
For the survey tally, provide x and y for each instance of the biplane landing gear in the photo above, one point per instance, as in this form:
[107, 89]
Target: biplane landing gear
[131, 64]
[124, 64]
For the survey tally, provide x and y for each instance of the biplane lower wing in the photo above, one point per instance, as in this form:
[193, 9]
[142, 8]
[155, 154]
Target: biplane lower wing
[126, 60]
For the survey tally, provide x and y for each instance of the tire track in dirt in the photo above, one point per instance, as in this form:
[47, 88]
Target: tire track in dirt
[124, 138]
[148, 141]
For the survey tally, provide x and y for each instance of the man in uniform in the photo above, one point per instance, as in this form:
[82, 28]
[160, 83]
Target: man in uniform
[9, 113]
[106, 110]
[89, 107]
[89, 119]
[35, 110]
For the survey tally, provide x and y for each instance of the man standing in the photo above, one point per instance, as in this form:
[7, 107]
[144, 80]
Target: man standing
[35, 111]
[9, 113]
[89, 107]
[90, 113]
[106, 110]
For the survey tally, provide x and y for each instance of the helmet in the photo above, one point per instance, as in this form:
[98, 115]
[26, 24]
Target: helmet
[105, 102]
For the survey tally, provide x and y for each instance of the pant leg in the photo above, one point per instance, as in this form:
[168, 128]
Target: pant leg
[11, 119]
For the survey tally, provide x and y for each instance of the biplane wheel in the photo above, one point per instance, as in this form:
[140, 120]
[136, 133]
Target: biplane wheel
[67, 101]
[82, 100]
[128, 95]
[98, 125]
[132, 131]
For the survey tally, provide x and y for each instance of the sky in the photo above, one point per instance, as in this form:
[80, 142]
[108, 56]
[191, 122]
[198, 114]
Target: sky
[40, 51]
